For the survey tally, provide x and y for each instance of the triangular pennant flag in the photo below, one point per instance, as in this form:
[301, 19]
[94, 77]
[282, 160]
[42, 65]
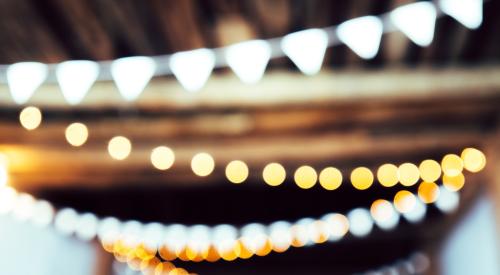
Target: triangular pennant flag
[306, 49]
[75, 78]
[468, 12]
[249, 59]
[24, 78]
[362, 35]
[132, 74]
[192, 68]
[417, 21]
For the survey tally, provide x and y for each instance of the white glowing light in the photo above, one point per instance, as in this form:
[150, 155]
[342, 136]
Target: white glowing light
[199, 237]
[303, 231]
[306, 49]
[43, 213]
[468, 12]
[387, 218]
[176, 237]
[131, 233]
[24, 207]
[132, 74]
[361, 223]
[224, 237]
[337, 225]
[417, 213]
[192, 68]
[108, 230]
[75, 78]
[87, 226]
[24, 78]
[417, 21]
[66, 221]
[362, 35]
[280, 235]
[153, 235]
[448, 200]
[249, 59]
[4, 175]
[254, 236]
[8, 197]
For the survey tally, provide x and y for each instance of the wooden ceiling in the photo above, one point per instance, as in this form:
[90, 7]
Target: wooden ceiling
[57, 30]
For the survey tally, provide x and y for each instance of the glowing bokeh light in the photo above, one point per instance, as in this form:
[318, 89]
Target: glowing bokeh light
[362, 35]
[65, 221]
[417, 21]
[4, 176]
[452, 165]
[361, 178]
[430, 170]
[24, 207]
[236, 171]
[24, 78]
[192, 68]
[86, 226]
[337, 225]
[384, 214]
[428, 192]
[119, 147]
[249, 59]
[404, 201]
[8, 198]
[330, 178]
[162, 157]
[448, 200]
[43, 213]
[468, 12]
[280, 235]
[306, 49]
[76, 134]
[360, 221]
[274, 174]
[387, 175]
[30, 117]
[132, 74]
[418, 212]
[75, 78]
[454, 183]
[474, 160]
[408, 174]
[202, 164]
[305, 177]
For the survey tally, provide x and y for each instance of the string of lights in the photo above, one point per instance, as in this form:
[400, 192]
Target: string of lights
[248, 59]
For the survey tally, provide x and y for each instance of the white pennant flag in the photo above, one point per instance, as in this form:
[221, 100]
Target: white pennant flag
[362, 35]
[249, 59]
[417, 21]
[75, 78]
[306, 49]
[192, 68]
[24, 78]
[468, 12]
[132, 74]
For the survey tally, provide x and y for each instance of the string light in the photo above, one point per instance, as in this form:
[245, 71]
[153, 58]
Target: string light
[430, 170]
[132, 74]
[249, 59]
[202, 164]
[308, 61]
[274, 174]
[330, 178]
[428, 192]
[452, 165]
[467, 12]
[4, 176]
[404, 201]
[454, 183]
[474, 160]
[417, 21]
[236, 171]
[361, 223]
[408, 174]
[361, 178]
[76, 134]
[384, 214]
[448, 200]
[305, 177]
[162, 157]
[387, 175]
[192, 68]
[362, 35]
[30, 118]
[119, 147]
[75, 78]
[24, 78]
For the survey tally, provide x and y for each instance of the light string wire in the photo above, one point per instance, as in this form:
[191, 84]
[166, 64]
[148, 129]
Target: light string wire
[387, 23]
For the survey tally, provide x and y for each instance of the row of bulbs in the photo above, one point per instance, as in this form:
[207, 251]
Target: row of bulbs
[248, 59]
[131, 239]
[274, 174]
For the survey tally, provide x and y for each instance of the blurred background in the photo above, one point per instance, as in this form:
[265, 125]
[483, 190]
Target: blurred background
[406, 103]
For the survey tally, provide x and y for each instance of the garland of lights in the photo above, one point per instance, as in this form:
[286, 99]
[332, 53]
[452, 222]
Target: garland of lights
[247, 59]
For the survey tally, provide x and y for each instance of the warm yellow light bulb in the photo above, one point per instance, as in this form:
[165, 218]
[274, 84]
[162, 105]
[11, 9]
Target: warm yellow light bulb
[408, 174]
[387, 175]
[236, 171]
[76, 134]
[162, 157]
[274, 174]
[381, 210]
[474, 160]
[305, 177]
[404, 201]
[330, 178]
[361, 178]
[202, 164]
[428, 192]
[454, 183]
[119, 147]
[430, 170]
[452, 165]
[30, 117]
